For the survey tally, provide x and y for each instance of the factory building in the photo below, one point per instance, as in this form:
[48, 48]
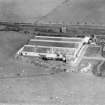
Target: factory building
[53, 47]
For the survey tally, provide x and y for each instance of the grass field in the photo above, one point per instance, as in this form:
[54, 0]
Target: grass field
[10, 43]
[78, 12]
[26, 11]
[93, 51]
[84, 63]
[59, 89]
[102, 69]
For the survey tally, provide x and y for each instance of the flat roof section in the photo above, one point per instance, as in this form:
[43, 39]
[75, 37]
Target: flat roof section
[42, 50]
[59, 39]
[100, 36]
[29, 49]
[54, 34]
[54, 44]
[64, 37]
[36, 49]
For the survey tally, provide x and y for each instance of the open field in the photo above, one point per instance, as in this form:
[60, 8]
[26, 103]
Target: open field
[26, 11]
[94, 63]
[10, 43]
[59, 89]
[89, 12]
[93, 51]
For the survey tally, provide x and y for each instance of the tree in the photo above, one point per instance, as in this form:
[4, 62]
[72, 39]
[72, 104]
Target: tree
[78, 22]
[102, 48]
[85, 22]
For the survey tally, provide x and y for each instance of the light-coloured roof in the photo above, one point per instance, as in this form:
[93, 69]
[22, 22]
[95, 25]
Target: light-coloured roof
[65, 39]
